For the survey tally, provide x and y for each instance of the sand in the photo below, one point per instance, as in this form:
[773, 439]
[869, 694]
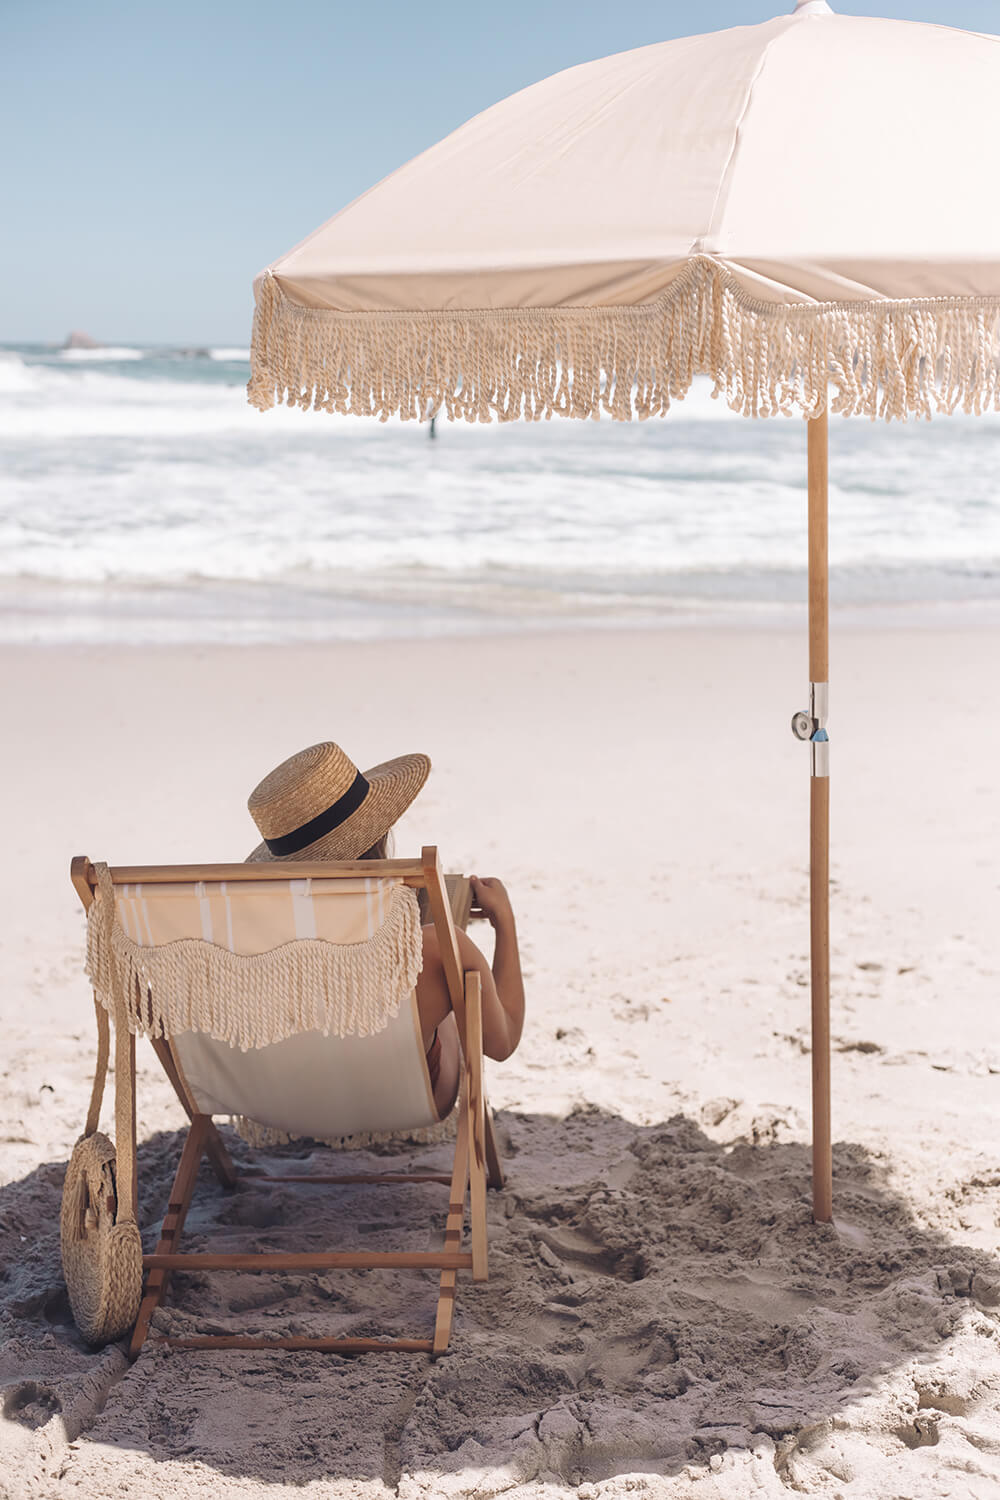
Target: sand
[662, 1316]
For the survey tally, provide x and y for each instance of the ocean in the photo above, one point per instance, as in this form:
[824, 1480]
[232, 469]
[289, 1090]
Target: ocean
[141, 499]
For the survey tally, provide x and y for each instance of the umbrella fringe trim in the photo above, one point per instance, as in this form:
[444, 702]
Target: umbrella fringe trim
[880, 358]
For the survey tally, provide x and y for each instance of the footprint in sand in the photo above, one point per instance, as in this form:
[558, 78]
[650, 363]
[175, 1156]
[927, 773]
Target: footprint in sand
[570, 1248]
[31, 1404]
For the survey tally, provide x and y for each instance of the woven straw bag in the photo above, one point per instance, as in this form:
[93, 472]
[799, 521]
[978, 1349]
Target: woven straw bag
[101, 1244]
[102, 1259]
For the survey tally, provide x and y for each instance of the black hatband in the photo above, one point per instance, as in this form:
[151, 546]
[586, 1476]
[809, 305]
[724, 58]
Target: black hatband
[324, 822]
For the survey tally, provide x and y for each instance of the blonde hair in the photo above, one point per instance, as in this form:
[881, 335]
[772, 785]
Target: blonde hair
[382, 849]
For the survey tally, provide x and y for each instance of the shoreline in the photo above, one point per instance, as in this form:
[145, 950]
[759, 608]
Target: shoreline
[191, 620]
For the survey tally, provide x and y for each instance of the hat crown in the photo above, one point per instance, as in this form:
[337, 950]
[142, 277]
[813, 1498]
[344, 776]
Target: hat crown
[301, 788]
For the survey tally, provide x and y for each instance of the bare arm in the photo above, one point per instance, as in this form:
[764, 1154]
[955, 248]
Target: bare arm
[503, 989]
[505, 1006]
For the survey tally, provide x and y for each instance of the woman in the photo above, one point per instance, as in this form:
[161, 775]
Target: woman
[318, 805]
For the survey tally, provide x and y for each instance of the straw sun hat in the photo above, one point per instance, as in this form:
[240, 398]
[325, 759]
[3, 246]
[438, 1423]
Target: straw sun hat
[318, 805]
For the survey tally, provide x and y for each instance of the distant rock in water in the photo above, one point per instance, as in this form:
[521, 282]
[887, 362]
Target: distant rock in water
[78, 340]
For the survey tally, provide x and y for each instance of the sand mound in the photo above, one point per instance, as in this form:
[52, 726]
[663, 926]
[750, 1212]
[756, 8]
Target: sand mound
[660, 1308]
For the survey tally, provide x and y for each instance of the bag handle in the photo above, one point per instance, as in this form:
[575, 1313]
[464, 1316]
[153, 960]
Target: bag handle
[125, 1146]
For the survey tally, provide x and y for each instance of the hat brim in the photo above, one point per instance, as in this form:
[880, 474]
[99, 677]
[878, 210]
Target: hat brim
[392, 786]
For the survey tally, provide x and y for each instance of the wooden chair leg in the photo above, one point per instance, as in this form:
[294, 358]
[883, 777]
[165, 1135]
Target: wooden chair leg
[127, 1157]
[215, 1150]
[477, 1124]
[453, 1228]
[494, 1162]
[173, 1223]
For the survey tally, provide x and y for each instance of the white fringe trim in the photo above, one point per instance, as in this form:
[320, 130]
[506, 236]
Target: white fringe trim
[262, 1136]
[878, 358]
[253, 1000]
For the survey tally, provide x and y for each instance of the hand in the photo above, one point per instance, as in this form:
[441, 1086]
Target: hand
[491, 899]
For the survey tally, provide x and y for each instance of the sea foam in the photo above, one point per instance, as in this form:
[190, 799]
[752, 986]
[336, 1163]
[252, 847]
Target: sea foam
[157, 475]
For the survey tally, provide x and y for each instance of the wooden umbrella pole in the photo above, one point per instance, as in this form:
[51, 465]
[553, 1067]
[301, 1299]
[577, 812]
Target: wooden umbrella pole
[819, 817]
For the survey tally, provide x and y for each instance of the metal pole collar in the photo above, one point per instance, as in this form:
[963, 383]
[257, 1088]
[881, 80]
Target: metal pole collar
[811, 725]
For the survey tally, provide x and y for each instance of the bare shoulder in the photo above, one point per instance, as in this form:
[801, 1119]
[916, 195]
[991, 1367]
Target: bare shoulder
[472, 956]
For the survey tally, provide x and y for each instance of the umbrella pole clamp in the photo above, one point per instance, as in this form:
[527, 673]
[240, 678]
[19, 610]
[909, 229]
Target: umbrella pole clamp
[811, 725]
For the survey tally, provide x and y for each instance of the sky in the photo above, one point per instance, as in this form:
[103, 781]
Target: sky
[165, 153]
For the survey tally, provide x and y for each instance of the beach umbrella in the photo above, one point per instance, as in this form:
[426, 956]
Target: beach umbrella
[797, 209]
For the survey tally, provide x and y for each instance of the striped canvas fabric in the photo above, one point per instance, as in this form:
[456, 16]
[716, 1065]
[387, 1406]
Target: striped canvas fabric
[310, 1084]
[254, 916]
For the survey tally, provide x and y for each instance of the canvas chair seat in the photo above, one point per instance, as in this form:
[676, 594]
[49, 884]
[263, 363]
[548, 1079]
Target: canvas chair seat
[289, 1002]
[326, 1087]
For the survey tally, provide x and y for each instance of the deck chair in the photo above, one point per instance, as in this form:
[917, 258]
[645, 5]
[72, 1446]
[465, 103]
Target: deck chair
[281, 995]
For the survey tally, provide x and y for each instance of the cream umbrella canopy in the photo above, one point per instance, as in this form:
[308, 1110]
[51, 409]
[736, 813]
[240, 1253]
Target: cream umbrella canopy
[796, 209]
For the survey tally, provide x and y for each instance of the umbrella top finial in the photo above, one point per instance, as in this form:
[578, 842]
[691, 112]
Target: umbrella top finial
[812, 8]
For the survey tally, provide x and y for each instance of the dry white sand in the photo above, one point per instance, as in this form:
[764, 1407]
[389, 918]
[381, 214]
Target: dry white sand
[662, 1315]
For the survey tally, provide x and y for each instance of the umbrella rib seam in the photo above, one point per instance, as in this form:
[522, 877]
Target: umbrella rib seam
[721, 199]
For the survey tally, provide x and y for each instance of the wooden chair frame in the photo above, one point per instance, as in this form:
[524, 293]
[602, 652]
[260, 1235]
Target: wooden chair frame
[477, 1159]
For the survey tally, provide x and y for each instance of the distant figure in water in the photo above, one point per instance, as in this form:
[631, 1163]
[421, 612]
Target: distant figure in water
[433, 433]
[318, 805]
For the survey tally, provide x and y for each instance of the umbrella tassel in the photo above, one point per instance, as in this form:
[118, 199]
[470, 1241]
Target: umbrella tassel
[877, 358]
